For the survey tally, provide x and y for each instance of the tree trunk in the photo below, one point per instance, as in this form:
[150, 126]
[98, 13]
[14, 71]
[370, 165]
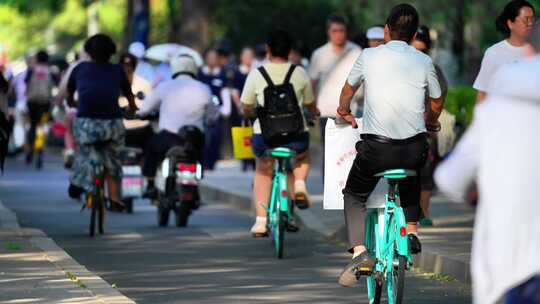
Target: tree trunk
[137, 26]
[174, 20]
[93, 18]
[195, 20]
[458, 37]
[128, 26]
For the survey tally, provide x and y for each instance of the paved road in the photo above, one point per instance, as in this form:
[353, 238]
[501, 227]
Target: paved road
[212, 261]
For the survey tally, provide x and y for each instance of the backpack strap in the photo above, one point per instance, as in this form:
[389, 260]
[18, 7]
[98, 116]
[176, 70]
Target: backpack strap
[266, 76]
[289, 74]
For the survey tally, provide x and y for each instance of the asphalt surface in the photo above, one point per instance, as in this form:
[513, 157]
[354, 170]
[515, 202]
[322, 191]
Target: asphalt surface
[214, 260]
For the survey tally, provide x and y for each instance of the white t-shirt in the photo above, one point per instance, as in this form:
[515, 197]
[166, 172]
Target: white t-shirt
[182, 101]
[329, 91]
[396, 77]
[323, 61]
[253, 92]
[505, 171]
[494, 57]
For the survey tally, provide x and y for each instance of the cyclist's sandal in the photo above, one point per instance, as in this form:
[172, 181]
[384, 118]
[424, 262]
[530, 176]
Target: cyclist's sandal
[362, 264]
[301, 200]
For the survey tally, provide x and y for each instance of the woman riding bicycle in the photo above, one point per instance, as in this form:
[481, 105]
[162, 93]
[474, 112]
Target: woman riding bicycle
[98, 84]
[278, 46]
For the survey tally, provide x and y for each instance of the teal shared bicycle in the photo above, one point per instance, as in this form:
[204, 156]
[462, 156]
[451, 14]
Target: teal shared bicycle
[387, 241]
[279, 211]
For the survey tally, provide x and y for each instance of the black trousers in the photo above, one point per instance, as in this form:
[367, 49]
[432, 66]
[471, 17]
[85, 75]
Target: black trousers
[138, 137]
[156, 149]
[374, 157]
[35, 112]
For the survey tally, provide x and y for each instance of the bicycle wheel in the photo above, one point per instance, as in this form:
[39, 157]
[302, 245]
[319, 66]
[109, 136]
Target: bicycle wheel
[93, 215]
[163, 211]
[374, 280]
[101, 209]
[279, 233]
[395, 282]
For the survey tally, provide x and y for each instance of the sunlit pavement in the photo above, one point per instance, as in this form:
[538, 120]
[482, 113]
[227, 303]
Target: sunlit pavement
[214, 260]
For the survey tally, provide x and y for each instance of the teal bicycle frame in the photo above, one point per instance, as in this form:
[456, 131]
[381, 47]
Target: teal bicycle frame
[278, 206]
[387, 241]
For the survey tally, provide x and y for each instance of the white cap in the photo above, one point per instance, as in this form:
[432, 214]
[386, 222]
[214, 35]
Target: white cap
[137, 49]
[375, 32]
[183, 64]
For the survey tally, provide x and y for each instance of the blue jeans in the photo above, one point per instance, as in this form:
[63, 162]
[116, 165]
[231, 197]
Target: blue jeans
[526, 293]
[300, 145]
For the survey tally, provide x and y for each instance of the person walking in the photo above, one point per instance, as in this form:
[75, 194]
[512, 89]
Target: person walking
[375, 36]
[422, 42]
[515, 22]
[323, 61]
[213, 75]
[504, 262]
[247, 55]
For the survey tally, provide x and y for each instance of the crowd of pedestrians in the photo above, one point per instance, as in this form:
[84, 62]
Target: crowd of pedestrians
[385, 75]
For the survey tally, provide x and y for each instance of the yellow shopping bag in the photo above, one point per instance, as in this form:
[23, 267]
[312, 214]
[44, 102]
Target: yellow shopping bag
[241, 138]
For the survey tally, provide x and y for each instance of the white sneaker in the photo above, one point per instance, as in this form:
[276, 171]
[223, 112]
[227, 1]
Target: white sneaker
[259, 228]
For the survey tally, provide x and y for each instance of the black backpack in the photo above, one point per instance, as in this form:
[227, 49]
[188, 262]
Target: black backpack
[281, 118]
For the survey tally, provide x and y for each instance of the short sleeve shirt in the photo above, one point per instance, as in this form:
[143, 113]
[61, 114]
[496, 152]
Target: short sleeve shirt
[396, 78]
[98, 86]
[494, 57]
[253, 92]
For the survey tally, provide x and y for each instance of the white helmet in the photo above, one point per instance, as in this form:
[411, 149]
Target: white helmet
[137, 49]
[183, 64]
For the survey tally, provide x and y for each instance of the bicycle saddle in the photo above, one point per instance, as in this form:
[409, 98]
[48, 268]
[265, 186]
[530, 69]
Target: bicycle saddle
[281, 152]
[396, 173]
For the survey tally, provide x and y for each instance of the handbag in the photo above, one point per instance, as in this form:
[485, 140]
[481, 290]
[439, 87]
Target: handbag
[241, 139]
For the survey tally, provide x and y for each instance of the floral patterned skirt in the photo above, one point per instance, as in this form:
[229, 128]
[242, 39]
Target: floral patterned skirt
[99, 142]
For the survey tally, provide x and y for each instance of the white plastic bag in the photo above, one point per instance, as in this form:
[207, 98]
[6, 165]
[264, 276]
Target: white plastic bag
[340, 152]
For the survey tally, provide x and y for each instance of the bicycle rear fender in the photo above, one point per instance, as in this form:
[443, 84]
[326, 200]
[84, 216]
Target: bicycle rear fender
[401, 232]
[284, 194]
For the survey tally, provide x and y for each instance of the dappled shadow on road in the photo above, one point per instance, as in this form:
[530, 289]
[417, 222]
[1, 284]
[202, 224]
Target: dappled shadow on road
[214, 260]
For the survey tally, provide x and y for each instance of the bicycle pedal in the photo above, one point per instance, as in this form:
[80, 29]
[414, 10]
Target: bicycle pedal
[260, 235]
[364, 270]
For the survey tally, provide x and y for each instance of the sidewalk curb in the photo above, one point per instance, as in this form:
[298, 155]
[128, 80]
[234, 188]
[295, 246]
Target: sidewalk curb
[94, 284]
[428, 261]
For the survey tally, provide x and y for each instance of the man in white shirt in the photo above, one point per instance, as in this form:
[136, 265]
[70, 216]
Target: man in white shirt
[324, 60]
[500, 152]
[396, 77]
[182, 101]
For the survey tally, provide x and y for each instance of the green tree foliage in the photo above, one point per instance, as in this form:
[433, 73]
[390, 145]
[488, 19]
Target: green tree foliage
[247, 22]
[58, 25]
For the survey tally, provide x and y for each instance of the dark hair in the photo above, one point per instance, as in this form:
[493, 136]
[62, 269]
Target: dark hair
[510, 12]
[100, 47]
[423, 35]
[260, 50]
[280, 43]
[334, 18]
[223, 52]
[42, 56]
[129, 59]
[403, 22]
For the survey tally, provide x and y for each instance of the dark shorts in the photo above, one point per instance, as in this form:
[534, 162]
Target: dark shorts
[299, 145]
